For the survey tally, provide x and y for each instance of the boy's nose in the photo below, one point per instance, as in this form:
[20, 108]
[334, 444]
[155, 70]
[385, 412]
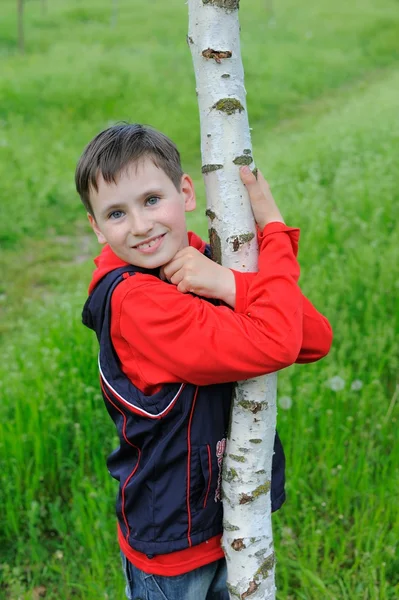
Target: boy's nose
[140, 225]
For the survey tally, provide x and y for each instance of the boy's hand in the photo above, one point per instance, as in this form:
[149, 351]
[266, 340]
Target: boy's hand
[193, 272]
[263, 205]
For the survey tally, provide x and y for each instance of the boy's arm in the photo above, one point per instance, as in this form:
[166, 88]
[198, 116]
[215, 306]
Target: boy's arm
[172, 336]
[193, 272]
[316, 333]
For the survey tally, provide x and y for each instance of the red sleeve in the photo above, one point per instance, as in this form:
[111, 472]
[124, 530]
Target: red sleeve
[168, 336]
[316, 333]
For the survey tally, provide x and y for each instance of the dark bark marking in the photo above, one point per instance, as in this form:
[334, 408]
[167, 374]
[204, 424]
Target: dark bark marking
[226, 4]
[265, 567]
[210, 214]
[226, 75]
[230, 474]
[217, 55]
[253, 586]
[247, 151]
[233, 591]
[237, 458]
[254, 407]
[216, 246]
[189, 40]
[261, 489]
[245, 499]
[229, 527]
[228, 105]
[238, 544]
[255, 172]
[256, 441]
[238, 240]
[244, 159]
[209, 168]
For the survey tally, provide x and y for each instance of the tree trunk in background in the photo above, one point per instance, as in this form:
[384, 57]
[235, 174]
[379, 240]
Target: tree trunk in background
[214, 42]
[20, 16]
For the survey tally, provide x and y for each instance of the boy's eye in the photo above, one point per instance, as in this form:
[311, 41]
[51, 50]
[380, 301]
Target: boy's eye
[152, 200]
[116, 214]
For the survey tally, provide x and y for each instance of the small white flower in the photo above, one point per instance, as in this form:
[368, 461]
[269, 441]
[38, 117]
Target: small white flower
[285, 402]
[336, 384]
[356, 385]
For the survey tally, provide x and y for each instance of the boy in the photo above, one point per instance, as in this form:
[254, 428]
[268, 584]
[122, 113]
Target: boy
[175, 329]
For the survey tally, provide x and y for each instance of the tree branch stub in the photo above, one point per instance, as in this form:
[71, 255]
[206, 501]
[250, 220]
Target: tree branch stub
[217, 55]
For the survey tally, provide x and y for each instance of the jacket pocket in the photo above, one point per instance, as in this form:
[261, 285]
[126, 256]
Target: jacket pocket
[201, 476]
[206, 467]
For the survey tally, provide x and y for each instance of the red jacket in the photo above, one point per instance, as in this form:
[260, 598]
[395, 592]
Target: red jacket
[163, 336]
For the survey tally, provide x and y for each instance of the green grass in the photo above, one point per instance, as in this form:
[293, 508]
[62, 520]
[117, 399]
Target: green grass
[322, 85]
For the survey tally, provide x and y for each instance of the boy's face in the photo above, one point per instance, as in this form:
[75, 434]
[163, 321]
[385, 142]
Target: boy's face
[142, 216]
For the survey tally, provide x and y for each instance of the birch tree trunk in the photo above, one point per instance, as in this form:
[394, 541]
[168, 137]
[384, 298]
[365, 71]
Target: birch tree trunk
[214, 42]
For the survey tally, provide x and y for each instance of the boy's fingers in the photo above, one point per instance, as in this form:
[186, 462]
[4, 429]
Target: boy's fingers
[247, 177]
[252, 184]
[173, 267]
[262, 182]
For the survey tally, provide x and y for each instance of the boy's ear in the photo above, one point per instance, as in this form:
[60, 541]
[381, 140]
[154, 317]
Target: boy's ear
[96, 230]
[188, 192]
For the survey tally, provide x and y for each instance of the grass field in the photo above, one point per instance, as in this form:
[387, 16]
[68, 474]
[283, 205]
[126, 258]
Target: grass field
[322, 81]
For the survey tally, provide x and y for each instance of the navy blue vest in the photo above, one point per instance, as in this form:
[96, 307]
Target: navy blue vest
[169, 461]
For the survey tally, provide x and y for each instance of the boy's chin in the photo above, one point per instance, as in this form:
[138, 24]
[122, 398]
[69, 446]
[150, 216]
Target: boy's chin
[152, 263]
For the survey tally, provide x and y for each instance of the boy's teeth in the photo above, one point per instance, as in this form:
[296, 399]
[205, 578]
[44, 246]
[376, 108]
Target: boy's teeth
[150, 244]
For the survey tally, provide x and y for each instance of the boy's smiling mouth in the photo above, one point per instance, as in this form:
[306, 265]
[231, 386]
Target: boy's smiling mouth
[151, 244]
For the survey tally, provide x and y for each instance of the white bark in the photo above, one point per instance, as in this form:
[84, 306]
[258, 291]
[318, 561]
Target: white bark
[225, 144]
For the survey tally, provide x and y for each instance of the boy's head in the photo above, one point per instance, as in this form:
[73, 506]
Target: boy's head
[130, 180]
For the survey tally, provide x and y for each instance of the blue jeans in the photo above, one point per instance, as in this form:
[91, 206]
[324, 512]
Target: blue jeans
[205, 583]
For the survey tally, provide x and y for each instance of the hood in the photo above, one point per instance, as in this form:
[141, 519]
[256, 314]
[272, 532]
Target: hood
[108, 261]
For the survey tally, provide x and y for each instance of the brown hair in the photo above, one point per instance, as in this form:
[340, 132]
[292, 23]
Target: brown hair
[115, 148]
